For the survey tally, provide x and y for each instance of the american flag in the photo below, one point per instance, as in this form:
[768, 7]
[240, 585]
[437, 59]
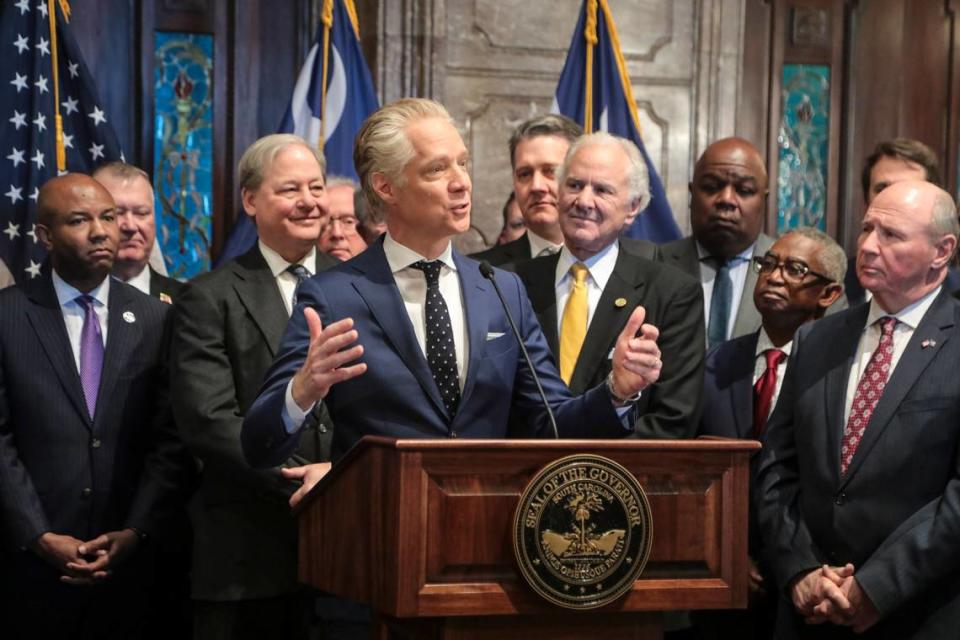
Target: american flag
[28, 153]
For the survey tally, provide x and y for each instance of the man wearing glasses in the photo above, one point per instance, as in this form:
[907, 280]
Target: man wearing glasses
[798, 278]
[339, 234]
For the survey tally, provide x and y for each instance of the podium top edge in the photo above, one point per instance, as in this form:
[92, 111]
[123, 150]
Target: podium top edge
[699, 444]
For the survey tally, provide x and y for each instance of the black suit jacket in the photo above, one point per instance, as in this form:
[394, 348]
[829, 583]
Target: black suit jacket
[728, 388]
[674, 304]
[227, 327]
[62, 471]
[508, 256]
[160, 284]
[895, 514]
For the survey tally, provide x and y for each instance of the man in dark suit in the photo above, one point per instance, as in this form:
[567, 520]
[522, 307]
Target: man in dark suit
[798, 279]
[130, 188]
[537, 148]
[603, 187]
[859, 481]
[728, 197]
[90, 463]
[894, 161]
[413, 341]
[227, 327]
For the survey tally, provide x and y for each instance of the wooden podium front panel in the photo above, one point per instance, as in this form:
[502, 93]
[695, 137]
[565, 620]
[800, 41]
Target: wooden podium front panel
[469, 522]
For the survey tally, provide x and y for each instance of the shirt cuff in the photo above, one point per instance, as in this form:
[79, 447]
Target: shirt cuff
[292, 416]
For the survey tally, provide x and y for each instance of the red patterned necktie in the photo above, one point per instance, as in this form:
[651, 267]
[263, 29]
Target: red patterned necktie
[764, 389]
[869, 390]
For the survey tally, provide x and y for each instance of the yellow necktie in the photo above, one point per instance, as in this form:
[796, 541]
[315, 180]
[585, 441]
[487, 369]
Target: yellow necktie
[573, 327]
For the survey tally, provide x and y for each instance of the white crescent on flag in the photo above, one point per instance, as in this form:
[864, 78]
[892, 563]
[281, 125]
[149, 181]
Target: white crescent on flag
[306, 124]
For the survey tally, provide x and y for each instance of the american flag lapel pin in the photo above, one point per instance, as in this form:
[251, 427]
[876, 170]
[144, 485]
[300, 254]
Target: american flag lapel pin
[928, 343]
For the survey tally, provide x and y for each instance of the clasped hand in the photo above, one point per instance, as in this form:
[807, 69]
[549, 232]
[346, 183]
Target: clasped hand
[86, 563]
[832, 594]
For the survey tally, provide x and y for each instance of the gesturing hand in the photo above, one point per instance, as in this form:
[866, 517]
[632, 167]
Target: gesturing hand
[326, 356]
[309, 475]
[636, 357]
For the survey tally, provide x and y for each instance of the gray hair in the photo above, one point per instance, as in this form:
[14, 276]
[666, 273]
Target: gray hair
[550, 124]
[638, 179]
[943, 217]
[832, 259]
[341, 181]
[122, 171]
[382, 146]
[261, 154]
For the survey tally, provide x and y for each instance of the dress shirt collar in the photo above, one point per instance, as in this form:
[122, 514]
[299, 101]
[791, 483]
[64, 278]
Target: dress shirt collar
[764, 343]
[910, 315]
[141, 281]
[538, 244]
[67, 293]
[278, 265]
[400, 257]
[600, 265]
[744, 256]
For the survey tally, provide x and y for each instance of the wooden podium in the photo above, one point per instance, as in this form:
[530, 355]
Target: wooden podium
[421, 530]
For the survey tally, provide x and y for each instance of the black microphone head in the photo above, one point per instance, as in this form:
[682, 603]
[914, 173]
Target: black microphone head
[486, 270]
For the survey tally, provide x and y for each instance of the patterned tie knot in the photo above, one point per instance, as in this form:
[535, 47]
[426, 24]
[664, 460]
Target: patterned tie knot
[299, 272]
[887, 325]
[431, 269]
[774, 357]
[579, 272]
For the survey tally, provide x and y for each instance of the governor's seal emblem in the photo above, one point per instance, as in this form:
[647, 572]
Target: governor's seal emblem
[582, 531]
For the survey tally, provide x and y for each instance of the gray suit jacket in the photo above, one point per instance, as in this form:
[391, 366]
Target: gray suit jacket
[895, 514]
[227, 326]
[682, 254]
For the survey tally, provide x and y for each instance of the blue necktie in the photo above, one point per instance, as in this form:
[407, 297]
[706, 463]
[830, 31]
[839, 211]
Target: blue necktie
[441, 354]
[720, 303]
[300, 273]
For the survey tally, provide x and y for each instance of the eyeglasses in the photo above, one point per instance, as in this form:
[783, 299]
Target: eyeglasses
[792, 270]
[347, 221]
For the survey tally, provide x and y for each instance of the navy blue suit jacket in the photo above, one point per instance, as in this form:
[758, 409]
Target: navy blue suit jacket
[895, 514]
[60, 470]
[397, 396]
[728, 388]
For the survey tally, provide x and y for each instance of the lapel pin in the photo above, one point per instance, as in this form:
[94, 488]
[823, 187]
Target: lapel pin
[620, 302]
[928, 343]
[166, 298]
[128, 317]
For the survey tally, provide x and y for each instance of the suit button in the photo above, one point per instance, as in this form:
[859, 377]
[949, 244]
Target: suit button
[840, 498]
[87, 492]
[322, 428]
[95, 443]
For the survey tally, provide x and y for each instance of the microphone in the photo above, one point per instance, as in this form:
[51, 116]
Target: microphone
[487, 272]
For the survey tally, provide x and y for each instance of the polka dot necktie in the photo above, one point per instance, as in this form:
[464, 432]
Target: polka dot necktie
[441, 354]
[869, 390]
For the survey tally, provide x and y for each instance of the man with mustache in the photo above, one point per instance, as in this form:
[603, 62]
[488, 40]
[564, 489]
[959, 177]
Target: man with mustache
[132, 192]
[227, 328]
[603, 186]
[91, 468]
[798, 279]
[728, 197]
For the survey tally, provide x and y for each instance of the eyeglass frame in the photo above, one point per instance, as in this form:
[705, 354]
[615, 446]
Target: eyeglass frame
[758, 261]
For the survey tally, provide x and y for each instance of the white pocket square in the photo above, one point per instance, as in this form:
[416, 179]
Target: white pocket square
[493, 335]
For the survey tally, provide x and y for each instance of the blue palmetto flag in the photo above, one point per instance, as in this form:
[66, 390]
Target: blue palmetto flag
[31, 94]
[594, 90]
[350, 98]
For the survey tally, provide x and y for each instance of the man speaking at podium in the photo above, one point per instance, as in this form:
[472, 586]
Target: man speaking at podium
[409, 340]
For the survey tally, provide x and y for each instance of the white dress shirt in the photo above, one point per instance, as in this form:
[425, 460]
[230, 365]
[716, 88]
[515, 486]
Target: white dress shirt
[739, 267]
[540, 246]
[74, 312]
[286, 281]
[599, 268]
[764, 343]
[412, 284]
[908, 319]
[141, 281]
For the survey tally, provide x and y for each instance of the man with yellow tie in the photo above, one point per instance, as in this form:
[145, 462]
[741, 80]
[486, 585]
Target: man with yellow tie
[584, 294]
